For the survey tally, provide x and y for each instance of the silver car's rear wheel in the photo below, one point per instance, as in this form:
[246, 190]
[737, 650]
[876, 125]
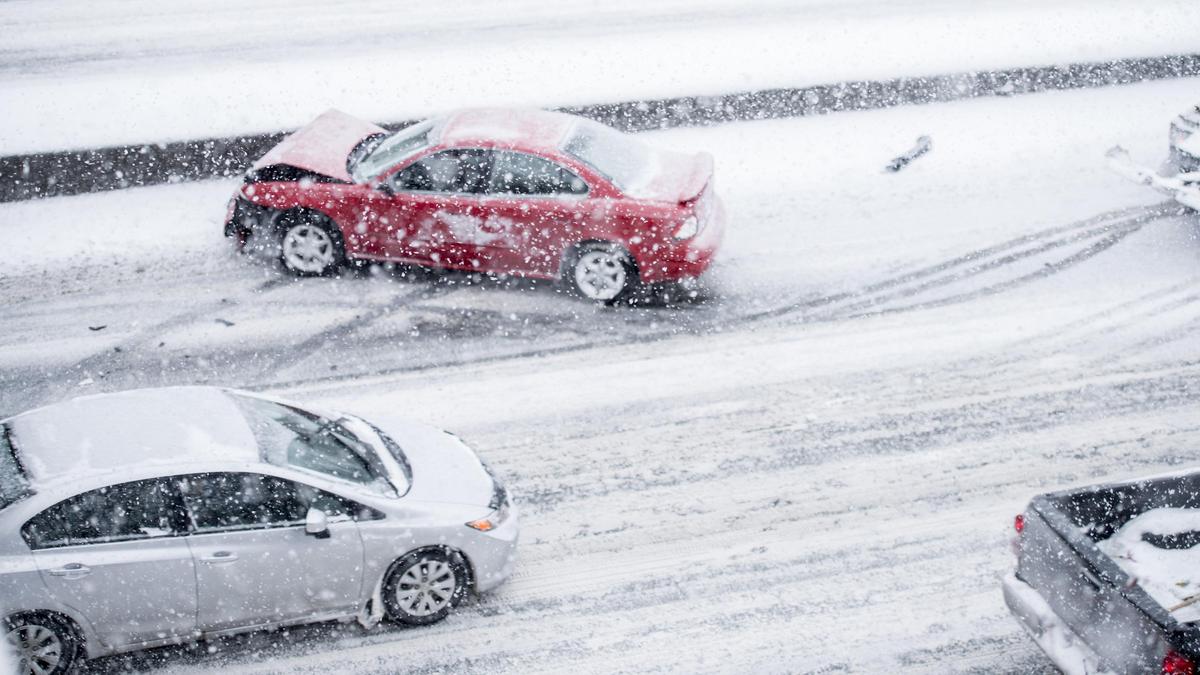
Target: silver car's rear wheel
[424, 586]
[43, 645]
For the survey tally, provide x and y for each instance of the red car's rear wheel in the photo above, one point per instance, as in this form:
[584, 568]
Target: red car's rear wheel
[601, 272]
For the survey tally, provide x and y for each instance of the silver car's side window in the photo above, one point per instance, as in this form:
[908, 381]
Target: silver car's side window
[219, 502]
[137, 510]
[236, 501]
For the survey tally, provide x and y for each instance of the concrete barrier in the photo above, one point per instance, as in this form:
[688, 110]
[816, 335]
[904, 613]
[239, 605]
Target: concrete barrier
[51, 174]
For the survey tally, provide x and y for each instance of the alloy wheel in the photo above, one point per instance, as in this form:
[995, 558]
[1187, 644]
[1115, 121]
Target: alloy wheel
[426, 588]
[38, 649]
[308, 248]
[600, 275]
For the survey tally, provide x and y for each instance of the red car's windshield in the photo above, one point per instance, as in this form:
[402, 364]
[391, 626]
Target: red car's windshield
[393, 149]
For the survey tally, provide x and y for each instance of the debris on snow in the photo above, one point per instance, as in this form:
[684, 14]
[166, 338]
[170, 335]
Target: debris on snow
[924, 144]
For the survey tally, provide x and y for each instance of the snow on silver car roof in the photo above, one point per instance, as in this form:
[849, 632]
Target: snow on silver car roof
[106, 432]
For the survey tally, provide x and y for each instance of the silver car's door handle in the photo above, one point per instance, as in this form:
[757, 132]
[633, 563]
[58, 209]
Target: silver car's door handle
[71, 571]
[219, 557]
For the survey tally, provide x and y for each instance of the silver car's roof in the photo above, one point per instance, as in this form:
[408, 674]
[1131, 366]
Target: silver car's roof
[133, 429]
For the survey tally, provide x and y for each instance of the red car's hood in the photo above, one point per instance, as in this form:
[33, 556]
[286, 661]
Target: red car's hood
[675, 176]
[322, 146]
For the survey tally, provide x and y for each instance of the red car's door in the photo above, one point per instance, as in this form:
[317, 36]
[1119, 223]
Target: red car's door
[431, 211]
[533, 207]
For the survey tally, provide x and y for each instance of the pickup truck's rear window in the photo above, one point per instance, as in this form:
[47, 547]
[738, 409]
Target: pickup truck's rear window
[14, 484]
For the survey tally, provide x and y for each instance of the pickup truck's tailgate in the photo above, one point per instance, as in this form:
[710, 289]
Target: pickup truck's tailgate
[1083, 597]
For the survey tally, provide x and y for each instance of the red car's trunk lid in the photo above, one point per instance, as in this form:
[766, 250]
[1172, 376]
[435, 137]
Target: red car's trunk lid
[676, 176]
[322, 146]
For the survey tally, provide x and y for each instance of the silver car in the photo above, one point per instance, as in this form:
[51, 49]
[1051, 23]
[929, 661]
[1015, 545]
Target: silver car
[159, 516]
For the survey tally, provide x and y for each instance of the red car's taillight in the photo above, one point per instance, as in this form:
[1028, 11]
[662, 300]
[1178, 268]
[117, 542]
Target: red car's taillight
[1177, 664]
[1019, 523]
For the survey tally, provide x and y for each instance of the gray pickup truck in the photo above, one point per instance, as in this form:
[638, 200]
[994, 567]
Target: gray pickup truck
[1108, 576]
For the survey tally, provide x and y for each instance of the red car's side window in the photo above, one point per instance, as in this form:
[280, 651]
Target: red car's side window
[463, 171]
[518, 173]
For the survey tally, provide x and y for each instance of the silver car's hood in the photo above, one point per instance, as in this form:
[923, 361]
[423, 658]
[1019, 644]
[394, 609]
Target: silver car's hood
[444, 469]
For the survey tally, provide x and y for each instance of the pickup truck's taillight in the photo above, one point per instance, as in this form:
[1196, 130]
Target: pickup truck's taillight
[1177, 664]
[1019, 523]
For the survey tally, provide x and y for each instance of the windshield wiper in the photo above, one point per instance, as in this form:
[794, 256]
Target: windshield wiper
[364, 148]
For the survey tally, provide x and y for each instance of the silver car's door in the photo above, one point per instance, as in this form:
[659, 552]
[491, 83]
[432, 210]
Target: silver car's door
[116, 556]
[255, 563]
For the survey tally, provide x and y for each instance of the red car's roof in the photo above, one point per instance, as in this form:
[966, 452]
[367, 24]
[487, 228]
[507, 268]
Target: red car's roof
[529, 129]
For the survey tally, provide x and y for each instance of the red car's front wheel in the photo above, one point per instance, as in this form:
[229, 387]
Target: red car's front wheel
[310, 247]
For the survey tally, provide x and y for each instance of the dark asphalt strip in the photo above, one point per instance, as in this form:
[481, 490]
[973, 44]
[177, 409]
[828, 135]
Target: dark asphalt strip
[48, 174]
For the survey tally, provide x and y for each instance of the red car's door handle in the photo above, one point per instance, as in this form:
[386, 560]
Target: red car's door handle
[71, 571]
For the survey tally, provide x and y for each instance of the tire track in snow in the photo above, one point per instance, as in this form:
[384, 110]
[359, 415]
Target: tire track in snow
[604, 617]
[294, 354]
[38, 387]
[1116, 225]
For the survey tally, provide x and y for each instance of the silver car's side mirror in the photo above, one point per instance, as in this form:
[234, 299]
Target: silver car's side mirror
[316, 523]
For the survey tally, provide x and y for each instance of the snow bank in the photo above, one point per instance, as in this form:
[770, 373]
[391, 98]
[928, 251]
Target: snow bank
[78, 75]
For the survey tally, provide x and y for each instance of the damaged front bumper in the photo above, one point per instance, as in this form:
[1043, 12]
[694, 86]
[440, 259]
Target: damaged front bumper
[244, 216]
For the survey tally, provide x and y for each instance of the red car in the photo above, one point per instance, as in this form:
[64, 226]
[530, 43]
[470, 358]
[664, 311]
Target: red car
[522, 192]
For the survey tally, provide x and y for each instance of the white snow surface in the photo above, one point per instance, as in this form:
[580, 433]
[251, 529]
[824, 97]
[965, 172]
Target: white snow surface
[813, 468]
[79, 74]
[1170, 576]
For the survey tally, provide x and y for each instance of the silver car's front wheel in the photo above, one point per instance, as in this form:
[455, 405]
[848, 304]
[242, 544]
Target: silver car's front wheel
[309, 249]
[43, 645]
[424, 586]
[602, 273]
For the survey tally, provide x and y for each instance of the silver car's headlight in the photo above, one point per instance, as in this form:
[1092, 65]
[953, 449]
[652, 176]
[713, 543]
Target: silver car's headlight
[492, 520]
[500, 510]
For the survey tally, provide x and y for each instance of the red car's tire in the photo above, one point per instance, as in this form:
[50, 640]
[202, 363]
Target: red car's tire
[309, 245]
[601, 272]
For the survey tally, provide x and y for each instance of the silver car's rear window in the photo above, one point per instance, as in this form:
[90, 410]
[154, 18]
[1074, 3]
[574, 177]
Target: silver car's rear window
[296, 438]
[13, 483]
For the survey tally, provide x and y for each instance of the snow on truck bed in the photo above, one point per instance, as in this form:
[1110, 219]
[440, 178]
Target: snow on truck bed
[1161, 549]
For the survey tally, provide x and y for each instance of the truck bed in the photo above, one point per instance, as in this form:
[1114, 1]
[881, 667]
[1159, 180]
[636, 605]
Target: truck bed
[1092, 598]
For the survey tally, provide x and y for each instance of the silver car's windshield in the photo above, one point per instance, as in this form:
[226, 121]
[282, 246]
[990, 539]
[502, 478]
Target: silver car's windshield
[619, 158]
[13, 484]
[393, 149]
[299, 439]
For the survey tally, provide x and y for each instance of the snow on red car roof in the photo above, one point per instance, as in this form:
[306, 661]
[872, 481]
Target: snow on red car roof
[525, 128]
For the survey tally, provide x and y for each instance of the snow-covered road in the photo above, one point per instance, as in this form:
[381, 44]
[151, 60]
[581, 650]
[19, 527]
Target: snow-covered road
[811, 468]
